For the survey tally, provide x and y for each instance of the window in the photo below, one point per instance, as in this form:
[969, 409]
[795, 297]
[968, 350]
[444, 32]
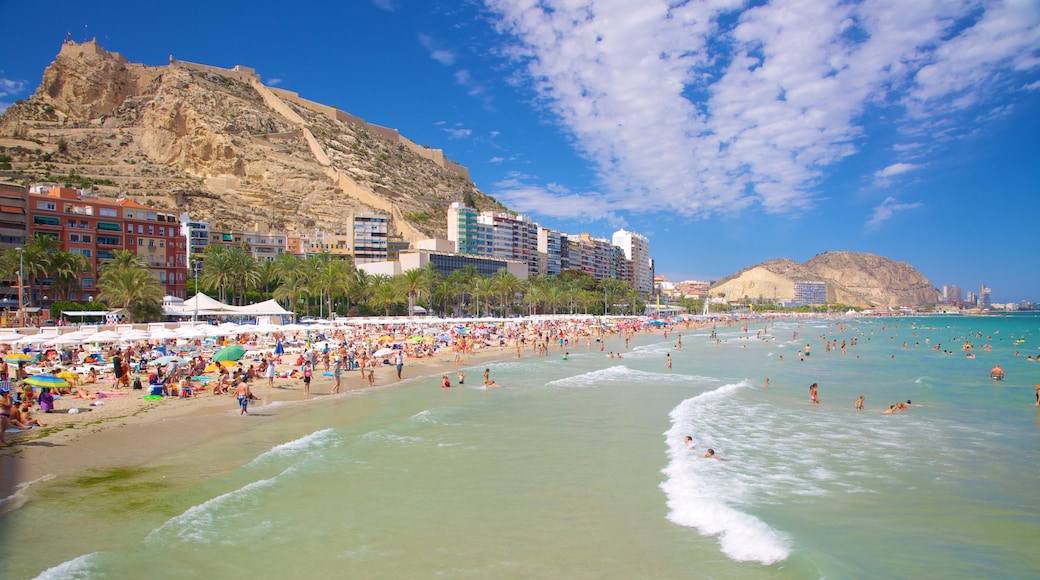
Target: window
[46, 221]
[87, 253]
[49, 205]
[129, 241]
[151, 230]
[71, 223]
[86, 238]
[151, 243]
[129, 228]
[73, 237]
[108, 212]
[151, 216]
[162, 231]
[162, 244]
[106, 255]
[83, 225]
[108, 241]
[140, 241]
[87, 283]
[140, 229]
[162, 277]
[129, 215]
[73, 250]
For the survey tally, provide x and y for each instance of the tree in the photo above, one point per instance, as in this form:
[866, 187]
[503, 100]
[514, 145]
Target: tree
[36, 261]
[385, 292]
[414, 283]
[66, 270]
[129, 286]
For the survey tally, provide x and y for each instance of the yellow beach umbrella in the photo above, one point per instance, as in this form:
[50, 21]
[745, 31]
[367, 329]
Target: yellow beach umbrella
[213, 366]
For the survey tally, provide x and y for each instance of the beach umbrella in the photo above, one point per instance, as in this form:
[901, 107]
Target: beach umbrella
[68, 375]
[17, 357]
[165, 360]
[229, 353]
[383, 352]
[214, 366]
[9, 337]
[103, 336]
[46, 380]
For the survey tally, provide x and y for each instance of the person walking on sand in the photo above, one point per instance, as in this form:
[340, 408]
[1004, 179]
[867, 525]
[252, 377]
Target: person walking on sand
[243, 394]
[337, 374]
[308, 372]
[269, 372]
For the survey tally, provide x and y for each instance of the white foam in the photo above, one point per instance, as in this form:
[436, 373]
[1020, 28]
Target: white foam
[622, 373]
[76, 568]
[305, 443]
[196, 523]
[698, 490]
[17, 499]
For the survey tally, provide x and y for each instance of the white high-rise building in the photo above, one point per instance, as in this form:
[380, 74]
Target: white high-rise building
[637, 250]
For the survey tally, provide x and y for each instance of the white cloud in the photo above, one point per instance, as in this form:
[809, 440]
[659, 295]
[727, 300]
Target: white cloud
[681, 113]
[886, 209]
[496, 160]
[1032, 86]
[445, 57]
[274, 82]
[553, 200]
[10, 87]
[388, 5]
[474, 89]
[458, 133]
[896, 169]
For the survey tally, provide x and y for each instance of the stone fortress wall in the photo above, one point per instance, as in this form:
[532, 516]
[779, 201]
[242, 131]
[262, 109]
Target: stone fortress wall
[249, 75]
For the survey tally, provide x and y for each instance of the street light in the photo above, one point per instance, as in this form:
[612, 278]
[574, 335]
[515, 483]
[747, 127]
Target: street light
[21, 301]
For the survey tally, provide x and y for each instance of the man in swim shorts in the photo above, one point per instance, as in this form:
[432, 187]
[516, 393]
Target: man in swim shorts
[244, 394]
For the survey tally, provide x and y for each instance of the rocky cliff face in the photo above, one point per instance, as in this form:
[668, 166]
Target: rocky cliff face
[203, 140]
[852, 278]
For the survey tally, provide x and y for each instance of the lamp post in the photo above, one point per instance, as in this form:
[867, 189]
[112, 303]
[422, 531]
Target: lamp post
[21, 301]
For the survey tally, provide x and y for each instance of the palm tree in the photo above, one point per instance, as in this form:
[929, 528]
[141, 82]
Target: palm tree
[217, 270]
[131, 287]
[292, 288]
[360, 287]
[333, 278]
[66, 271]
[483, 288]
[244, 271]
[534, 296]
[507, 286]
[414, 283]
[36, 260]
[266, 275]
[385, 292]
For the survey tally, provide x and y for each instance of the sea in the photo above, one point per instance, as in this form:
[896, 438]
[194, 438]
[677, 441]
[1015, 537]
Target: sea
[577, 467]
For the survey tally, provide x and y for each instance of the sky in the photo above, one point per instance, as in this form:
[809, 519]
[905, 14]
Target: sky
[728, 132]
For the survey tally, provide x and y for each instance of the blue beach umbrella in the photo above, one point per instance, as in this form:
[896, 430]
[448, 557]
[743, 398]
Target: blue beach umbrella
[46, 380]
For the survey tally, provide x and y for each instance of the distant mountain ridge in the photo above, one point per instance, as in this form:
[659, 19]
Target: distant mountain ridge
[852, 278]
[224, 147]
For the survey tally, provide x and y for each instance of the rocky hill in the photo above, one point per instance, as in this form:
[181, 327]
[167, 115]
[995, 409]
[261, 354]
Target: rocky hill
[852, 278]
[222, 146]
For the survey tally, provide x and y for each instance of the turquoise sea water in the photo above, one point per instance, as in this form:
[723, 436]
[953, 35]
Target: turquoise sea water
[577, 469]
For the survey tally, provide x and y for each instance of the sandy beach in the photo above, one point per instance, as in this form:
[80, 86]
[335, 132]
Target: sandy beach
[126, 430]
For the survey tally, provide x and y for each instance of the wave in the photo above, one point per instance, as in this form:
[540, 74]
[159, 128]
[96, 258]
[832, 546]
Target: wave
[316, 439]
[622, 373]
[76, 568]
[17, 499]
[194, 524]
[697, 490]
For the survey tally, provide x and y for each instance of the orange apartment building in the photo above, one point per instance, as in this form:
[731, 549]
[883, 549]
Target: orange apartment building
[95, 228]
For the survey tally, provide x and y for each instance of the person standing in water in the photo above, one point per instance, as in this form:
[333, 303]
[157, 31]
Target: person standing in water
[859, 402]
[812, 393]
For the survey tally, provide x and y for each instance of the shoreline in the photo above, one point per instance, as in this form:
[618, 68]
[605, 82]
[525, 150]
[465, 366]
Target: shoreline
[78, 443]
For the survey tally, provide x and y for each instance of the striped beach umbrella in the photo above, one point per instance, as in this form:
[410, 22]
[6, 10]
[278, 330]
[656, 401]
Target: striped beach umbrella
[46, 380]
[16, 357]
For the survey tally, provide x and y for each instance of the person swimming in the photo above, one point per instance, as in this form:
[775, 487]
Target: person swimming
[996, 373]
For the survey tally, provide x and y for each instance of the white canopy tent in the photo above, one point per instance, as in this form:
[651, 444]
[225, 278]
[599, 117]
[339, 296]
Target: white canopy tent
[203, 305]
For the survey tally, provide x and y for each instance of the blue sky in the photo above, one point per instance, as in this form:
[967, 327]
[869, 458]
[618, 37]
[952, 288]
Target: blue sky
[728, 132]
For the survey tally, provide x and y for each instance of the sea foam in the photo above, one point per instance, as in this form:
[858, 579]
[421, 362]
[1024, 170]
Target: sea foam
[197, 523]
[76, 568]
[622, 373]
[698, 489]
[303, 444]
